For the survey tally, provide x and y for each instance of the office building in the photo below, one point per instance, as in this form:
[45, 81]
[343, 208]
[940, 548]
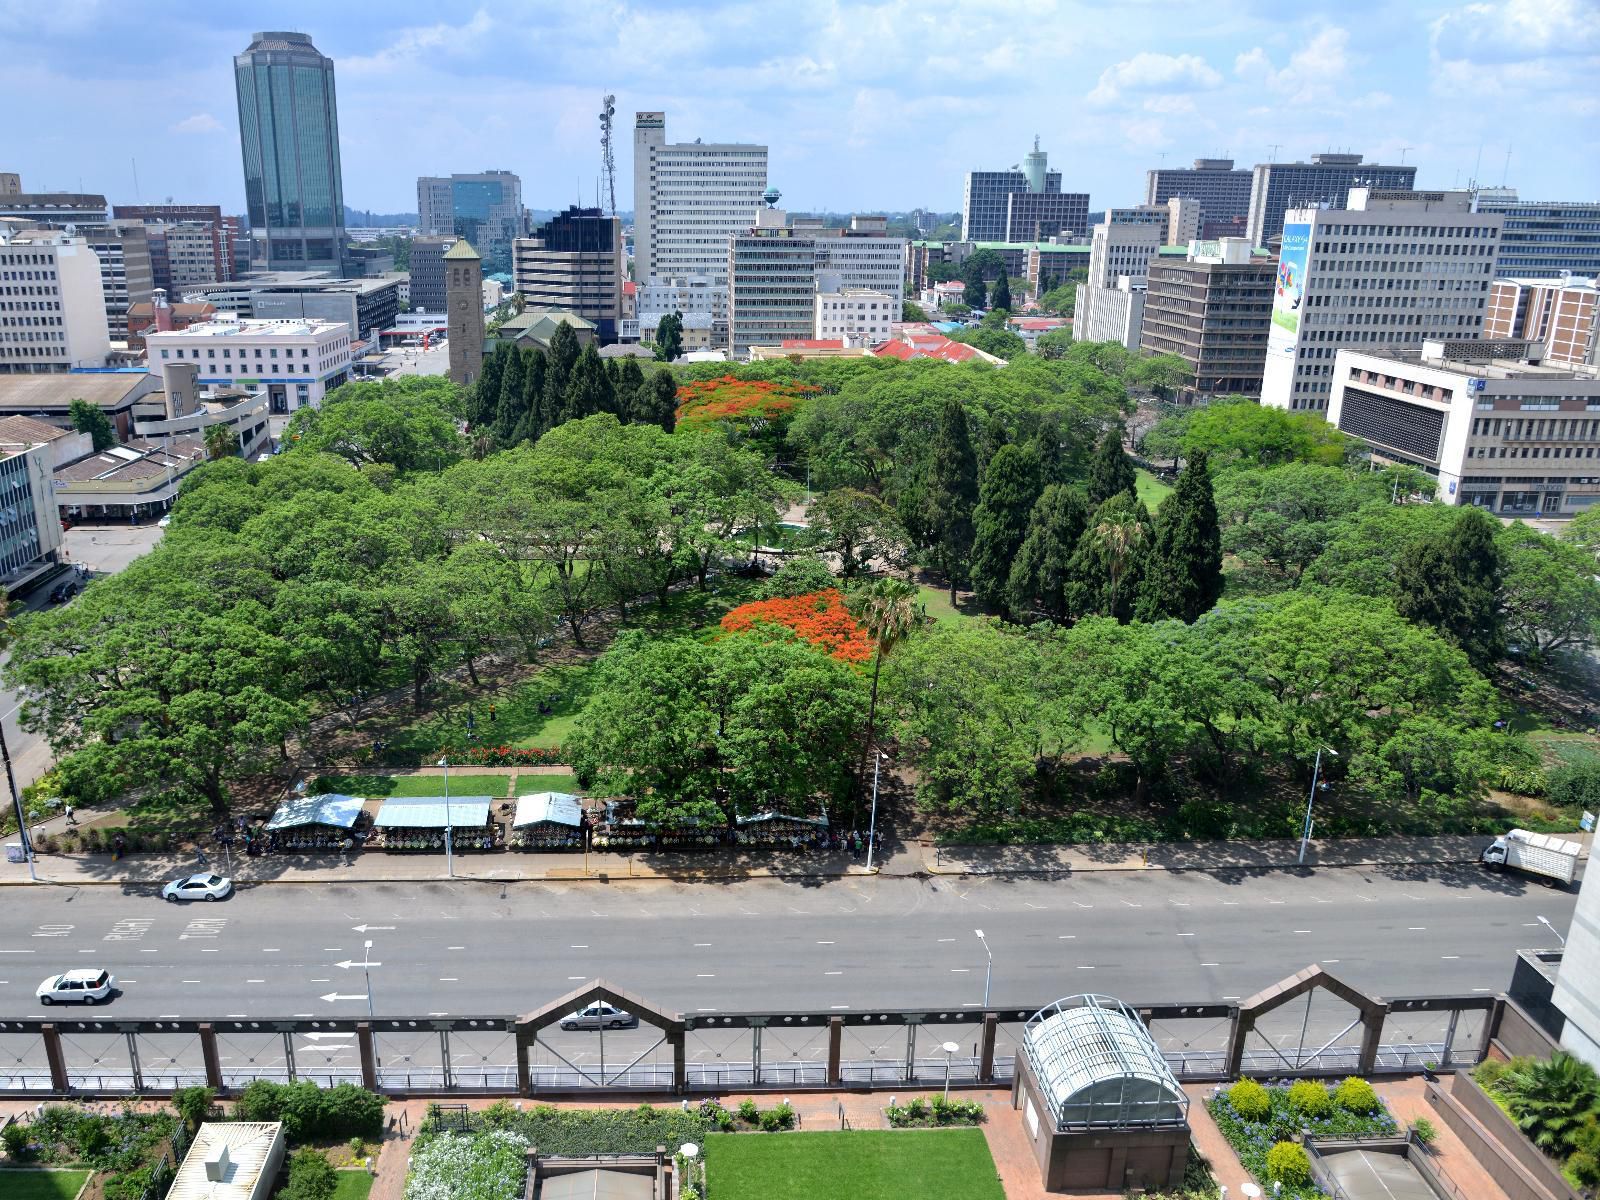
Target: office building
[177, 266]
[858, 255]
[366, 305]
[987, 212]
[158, 313]
[295, 361]
[427, 271]
[1183, 220]
[463, 300]
[772, 283]
[1391, 270]
[10, 183]
[861, 315]
[1495, 426]
[54, 209]
[1222, 192]
[1544, 239]
[1325, 181]
[1122, 248]
[289, 135]
[1562, 315]
[1157, 215]
[52, 303]
[1111, 314]
[689, 198]
[1110, 306]
[1212, 308]
[574, 263]
[484, 208]
[126, 276]
[1577, 990]
[30, 530]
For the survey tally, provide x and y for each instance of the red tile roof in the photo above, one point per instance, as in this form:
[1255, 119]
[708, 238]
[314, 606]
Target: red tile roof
[895, 350]
[812, 344]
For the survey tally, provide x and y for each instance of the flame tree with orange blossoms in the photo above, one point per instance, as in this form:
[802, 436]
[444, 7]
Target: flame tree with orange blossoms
[819, 618]
[760, 409]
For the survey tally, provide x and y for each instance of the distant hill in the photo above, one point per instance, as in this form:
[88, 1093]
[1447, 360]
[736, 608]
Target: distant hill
[361, 218]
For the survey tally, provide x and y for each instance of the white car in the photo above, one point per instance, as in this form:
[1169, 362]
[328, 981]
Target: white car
[599, 1016]
[77, 987]
[198, 887]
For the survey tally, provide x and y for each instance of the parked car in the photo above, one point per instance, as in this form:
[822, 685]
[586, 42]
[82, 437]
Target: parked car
[65, 590]
[77, 987]
[599, 1016]
[198, 887]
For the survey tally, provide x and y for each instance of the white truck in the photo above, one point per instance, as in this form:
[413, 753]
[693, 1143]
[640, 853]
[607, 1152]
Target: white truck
[1553, 859]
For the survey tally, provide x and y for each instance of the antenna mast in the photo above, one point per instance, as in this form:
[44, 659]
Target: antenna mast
[608, 109]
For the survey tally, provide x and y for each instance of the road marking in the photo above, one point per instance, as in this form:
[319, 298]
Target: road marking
[54, 930]
[448, 979]
[972, 1004]
[804, 912]
[333, 949]
[1417, 928]
[585, 947]
[1329, 961]
[1275, 902]
[1065, 937]
[188, 981]
[824, 943]
[148, 950]
[941, 939]
[271, 950]
[701, 945]
[322, 981]
[1449, 956]
[833, 972]
[1302, 931]
[89, 951]
[1133, 904]
[455, 947]
[1209, 964]
[1085, 967]
[296, 1014]
[705, 1010]
[209, 950]
[1031, 904]
[1483, 989]
[959, 970]
[1081, 904]
[1186, 935]
[119, 981]
[1181, 903]
[1230, 997]
[705, 976]
[255, 980]
[1530, 924]
[1230, 904]
[167, 1016]
[16, 951]
[570, 978]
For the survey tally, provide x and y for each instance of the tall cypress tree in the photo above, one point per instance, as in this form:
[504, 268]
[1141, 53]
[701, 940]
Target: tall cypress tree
[1042, 571]
[951, 493]
[589, 389]
[1011, 487]
[508, 412]
[1110, 471]
[656, 403]
[534, 424]
[485, 400]
[1426, 590]
[1183, 574]
[1480, 570]
[562, 358]
[1108, 564]
[1000, 297]
[630, 381]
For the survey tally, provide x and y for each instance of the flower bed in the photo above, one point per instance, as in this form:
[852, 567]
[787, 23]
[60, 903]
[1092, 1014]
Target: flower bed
[816, 617]
[491, 1165]
[1282, 1121]
[504, 756]
[747, 1117]
[127, 1149]
[936, 1111]
[578, 1131]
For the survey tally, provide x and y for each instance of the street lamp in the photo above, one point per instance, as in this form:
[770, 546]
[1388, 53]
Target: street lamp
[16, 801]
[1552, 929]
[1305, 833]
[988, 970]
[366, 969]
[949, 1048]
[872, 827]
[449, 855]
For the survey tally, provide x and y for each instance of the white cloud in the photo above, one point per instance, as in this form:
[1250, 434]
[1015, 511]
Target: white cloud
[1517, 31]
[199, 123]
[1147, 72]
[1310, 73]
[416, 42]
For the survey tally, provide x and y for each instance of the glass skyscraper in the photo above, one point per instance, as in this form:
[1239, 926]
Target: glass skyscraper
[289, 131]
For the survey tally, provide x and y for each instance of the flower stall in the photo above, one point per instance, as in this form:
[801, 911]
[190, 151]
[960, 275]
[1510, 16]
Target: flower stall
[547, 821]
[619, 829]
[778, 830]
[418, 823]
[329, 821]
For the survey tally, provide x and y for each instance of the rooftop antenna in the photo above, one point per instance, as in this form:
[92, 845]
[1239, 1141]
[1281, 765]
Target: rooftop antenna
[136, 194]
[1476, 163]
[1505, 171]
[1404, 150]
[1275, 147]
[608, 109]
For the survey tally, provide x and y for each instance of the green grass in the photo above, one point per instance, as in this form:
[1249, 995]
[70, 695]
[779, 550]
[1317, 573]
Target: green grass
[414, 785]
[352, 1185]
[42, 1185]
[912, 1164]
[936, 603]
[1151, 490]
[528, 784]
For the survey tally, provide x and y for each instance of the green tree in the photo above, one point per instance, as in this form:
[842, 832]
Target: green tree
[311, 1176]
[1041, 575]
[658, 401]
[951, 494]
[1281, 518]
[91, 419]
[669, 338]
[589, 390]
[1550, 597]
[629, 385]
[912, 312]
[1233, 431]
[889, 610]
[1162, 374]
[857, 526]
[560, 362]
[1183, 573]
[1011, 486]
[1053, 344]
[484, 400]
[1552, 1099]
[1479, 629]
[1061, 300]
[512, 405]
[975, 293]
[532, 418]
[411, 424]
[1583, 531]
[1109, 561]
[1001, 298]
[221, 442]
[1111, 471]
[1001, 343]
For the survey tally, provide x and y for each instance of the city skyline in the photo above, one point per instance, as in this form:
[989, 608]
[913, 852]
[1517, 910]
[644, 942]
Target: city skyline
[1110, 97]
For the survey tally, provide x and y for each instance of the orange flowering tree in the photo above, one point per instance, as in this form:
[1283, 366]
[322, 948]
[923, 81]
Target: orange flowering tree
[816, 617]
[759, 409]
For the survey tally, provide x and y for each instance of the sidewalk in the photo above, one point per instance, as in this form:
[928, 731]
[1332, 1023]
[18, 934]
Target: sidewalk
[916, 859]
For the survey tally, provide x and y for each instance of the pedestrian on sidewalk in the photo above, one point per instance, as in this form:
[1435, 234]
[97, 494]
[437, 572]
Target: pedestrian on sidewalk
[201, 855]
[71, 820]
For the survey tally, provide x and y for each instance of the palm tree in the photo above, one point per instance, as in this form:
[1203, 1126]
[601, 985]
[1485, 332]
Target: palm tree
[1553, 1099]
[889, 610]
[1118, 537]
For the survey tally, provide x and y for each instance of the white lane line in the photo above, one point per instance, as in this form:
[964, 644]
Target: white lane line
[584, 947]
[119, 981]
[296, 1014]
[1181, 903]
[167, 1016]
[941, 939]
[1530, 924]
[1186, 935]
[1081, 904]
[148, 951]
[1329, 961]
[16, 951]
[1416, 928]
[1230, 997]
[90, 951]
[188, 981]
[271, 950]
[448, 979]
[322, 981]
[1275, 901]
[838, 1006]
[1230, 904]
[1483, 989]
[705, 1010]
[959, 970]
[247, 1014]
[705, 976]
[824, 943]
[210, 950]
[1449, 956]
[570, 978]
[1133, 904]
[455, 947]
[972, 1004]
[1302, 931]
[701, 945]
[1208, 964]
[1085, 967]
[1031, 904]
[833, 972]
[255, 980]
[1066, 937]
[333, 949]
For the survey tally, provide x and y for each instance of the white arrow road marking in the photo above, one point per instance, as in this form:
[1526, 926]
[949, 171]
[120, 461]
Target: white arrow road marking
[366, 928]
[348, 963]
[331, 996]
[316, 1036]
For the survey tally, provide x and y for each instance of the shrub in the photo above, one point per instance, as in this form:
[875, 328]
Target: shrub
[1490, 1073]
[309, 1113]
[500, 1115]
[15, 1139]
[193, 1104]
[779, 1116]
[1553, 1100]
[748, 1110]
[453, 1166]
[1424, 1131]
[1575, 784]
[1309, 1097]
[310, 1177]
[917, 1110]
[1287, 1164]
[131, 1185]
[1250, 1100]
[1356, 1095]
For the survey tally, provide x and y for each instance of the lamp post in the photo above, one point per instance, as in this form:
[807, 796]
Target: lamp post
[366, 969]
[1552, 929]
[949, 1048]
[449, 855]
[1305, 832]
[16, 801]
[872, 827]
[988, 970]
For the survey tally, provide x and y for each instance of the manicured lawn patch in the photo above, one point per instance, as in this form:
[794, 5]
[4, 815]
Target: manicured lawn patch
[1151, 490]
[414, 785]
[41, 1185]
[913, 1164]
[936, 603]
[528, 784]
[353, 1185]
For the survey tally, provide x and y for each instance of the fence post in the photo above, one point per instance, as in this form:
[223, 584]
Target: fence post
[369, 1057]
[678, 1039]
[288, 1054]
[208, 1051]
[444, 1059]
[133, 1061]
[1371, 1036]
[57, 1059]
[524, 1074]
[991, 1023]
[835, 1045]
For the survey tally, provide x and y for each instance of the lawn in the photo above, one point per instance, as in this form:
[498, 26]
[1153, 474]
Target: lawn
[912, 1164]
[414, 785]
[529, 783]
[42, 1185]
[1151, 490]
[352, 1185]
[936, 603]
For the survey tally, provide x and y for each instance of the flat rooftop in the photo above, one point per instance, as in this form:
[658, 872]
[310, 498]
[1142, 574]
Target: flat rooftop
[251, 328]
[1492, 368]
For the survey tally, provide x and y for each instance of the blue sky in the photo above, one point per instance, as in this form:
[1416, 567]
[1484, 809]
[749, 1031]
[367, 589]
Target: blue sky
[865, 105]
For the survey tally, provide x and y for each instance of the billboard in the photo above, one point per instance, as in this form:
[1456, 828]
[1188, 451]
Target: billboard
[1289, 289]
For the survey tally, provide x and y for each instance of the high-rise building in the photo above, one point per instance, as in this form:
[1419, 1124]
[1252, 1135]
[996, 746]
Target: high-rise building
[289, 134]
[1325, 181]
[1223, 192]
[184, 264]
[463, 289]
[126, 275]
[989, 215]
[1561, 315]
[427, 271]
[772, 283]
[1183, 220]
[689, 198]
[53, 209]
[1390, 270]
[858, 255]
[1544, 239]
[52, 305]
[1212, 308]
[1110, 306]
[294, 361]
[485, 208]
[574, 263]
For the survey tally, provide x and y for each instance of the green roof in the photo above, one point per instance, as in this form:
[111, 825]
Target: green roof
[462, 250]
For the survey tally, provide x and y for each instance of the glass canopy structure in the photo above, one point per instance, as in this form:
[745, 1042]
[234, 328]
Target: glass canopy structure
[1098, 1066]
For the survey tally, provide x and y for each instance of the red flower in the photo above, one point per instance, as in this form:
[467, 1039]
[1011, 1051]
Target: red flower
[754, 403]
[817, 617]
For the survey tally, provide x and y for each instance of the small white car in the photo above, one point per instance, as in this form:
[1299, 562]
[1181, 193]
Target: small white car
[198, 887]
[599, 1016]
[77, 987]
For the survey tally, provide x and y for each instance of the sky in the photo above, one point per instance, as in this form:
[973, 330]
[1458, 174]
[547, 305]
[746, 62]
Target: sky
[867, 106]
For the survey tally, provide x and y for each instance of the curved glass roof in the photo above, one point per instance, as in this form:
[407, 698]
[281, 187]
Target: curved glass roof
[1098, 1065]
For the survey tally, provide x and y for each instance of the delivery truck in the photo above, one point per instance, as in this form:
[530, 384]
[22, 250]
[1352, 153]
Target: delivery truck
[1552, 859]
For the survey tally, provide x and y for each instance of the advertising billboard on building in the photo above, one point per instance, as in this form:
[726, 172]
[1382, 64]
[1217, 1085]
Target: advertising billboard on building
[1289, 289]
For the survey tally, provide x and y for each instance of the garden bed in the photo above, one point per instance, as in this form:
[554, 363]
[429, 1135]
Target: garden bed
[576, 1132]
[936, 1112]
[1265, 1126]
[125, 1151]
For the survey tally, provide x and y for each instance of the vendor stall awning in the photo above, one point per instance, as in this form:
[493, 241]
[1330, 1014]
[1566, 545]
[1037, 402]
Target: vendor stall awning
[762, 818]
[429, 812]
[327, 809]
[560, 808]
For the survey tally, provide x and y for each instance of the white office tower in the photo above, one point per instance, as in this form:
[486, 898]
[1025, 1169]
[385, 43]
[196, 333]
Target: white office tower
[1390, 270]
[52, 304]
[1110, 306]
[689, 198]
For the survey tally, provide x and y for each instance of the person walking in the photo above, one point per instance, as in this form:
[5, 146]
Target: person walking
[201, 856]
[71, 820]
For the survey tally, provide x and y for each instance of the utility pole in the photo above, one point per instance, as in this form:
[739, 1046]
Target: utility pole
[16, 801]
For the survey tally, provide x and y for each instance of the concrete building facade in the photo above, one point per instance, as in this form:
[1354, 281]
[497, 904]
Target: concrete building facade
[1544, 239]
[1222, 192]
[689, 198]
[52, 306]
[1497, 428]
[987, 211]
[185, 264]
[1213, 309]
[427, 271]
[860, 314]
[295, 361]
[126, 274]
[463, 302]
[1577, 991]
[1326, 180]
[1391, 270]
[574, 262]
[485, 208]
[54, 209]
[1562, 315]
[366, 305]
[1035, 216]
[772, 283]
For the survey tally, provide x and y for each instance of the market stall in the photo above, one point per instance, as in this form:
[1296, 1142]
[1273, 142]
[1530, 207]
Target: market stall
[779, 830]
[418, 823]
[620, 829]
[547, 821]
[327, 821]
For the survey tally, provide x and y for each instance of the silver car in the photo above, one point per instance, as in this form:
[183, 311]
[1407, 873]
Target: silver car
[204, 886]
[599, 1016]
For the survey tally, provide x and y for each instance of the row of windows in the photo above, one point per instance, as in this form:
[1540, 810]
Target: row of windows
[1427, 231]
[1530, 452]
[227, 352]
